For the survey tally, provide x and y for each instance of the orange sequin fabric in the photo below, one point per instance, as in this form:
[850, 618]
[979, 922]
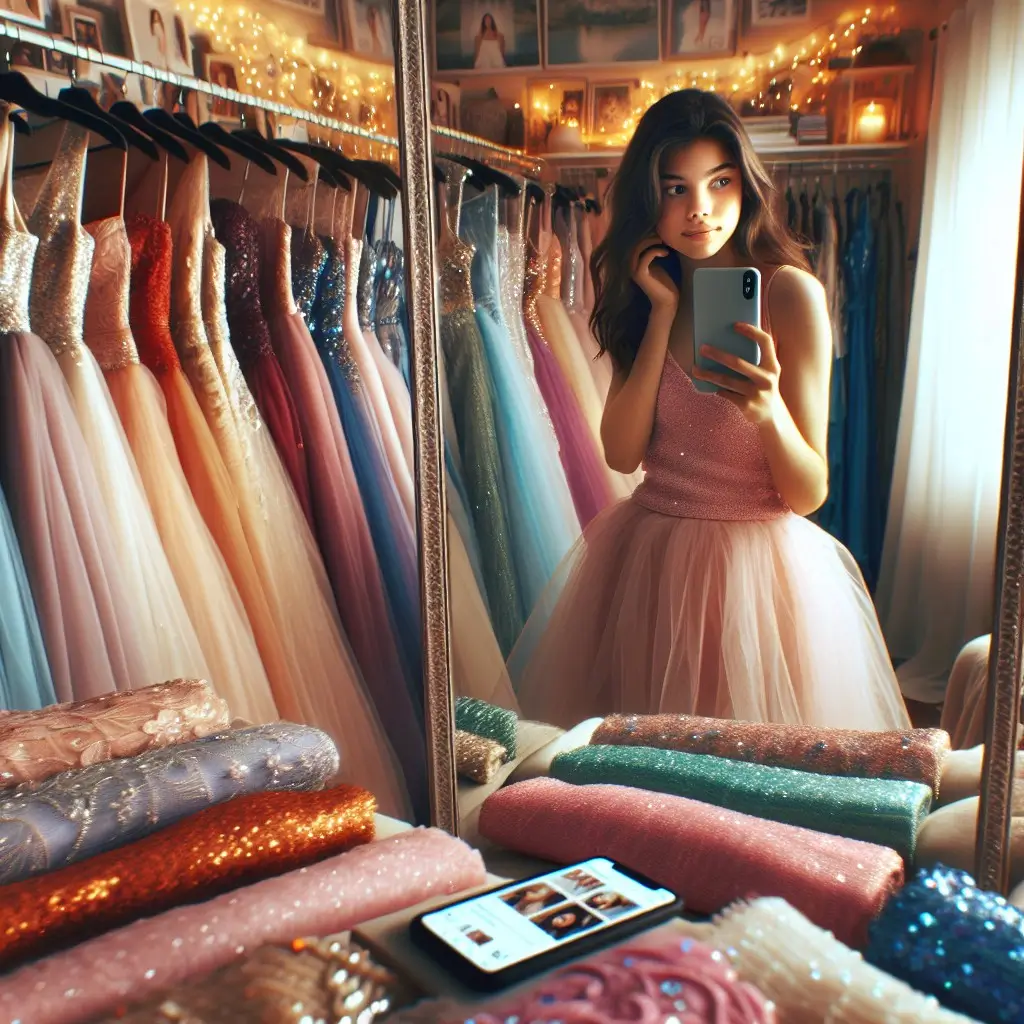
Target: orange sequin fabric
[233, 844]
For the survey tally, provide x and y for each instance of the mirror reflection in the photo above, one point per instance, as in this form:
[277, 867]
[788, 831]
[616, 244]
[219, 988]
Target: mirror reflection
[723, 471]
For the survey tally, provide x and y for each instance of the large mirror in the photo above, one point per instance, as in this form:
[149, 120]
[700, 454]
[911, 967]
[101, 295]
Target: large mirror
[797, 526]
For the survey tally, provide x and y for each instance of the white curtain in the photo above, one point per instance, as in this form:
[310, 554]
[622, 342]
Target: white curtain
[936, 583]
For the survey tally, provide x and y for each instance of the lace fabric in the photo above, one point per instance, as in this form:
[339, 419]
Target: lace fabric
[107, 330]
[37, 745]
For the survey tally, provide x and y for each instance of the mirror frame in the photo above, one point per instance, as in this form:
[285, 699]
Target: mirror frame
[1003, 695]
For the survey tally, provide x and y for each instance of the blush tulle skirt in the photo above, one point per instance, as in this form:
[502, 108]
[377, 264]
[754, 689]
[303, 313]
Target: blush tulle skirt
[760, 621]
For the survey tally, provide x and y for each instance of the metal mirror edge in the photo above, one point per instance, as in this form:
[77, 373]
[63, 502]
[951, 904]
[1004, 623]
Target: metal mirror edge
[1002, 699]
[412, 96]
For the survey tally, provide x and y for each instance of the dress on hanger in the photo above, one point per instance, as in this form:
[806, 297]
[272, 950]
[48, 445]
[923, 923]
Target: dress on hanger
[582, 461]
[390, 334]
[340, 518]
[704, 594]
[251, 340]
[167, 638]
[541, 515]
[232, 661]
[511, 272]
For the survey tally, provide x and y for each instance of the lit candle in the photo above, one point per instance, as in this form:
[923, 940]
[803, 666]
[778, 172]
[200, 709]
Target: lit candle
[872, 124]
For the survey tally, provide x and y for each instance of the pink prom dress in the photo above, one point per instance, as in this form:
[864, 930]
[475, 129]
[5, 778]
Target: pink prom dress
[704, 594]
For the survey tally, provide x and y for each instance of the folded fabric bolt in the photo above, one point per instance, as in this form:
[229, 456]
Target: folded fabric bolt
[915, 755]
[708, 855]
[136, 962]
[476, 757]
[88, 811]
[487, 720]
[254, 836]
[888, 812]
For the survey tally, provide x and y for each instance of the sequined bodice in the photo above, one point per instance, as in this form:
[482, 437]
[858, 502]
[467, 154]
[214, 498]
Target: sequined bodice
[309, 258]
[553, 270]
[705, 460]
[276, 268]
[329, 311]
[187, 216]
[240, 235]
[150, 305]
[456, 258]
[353, 263]
[574, 272]
[479, 228]
[366, 298]
[17, 257]
[391, 263]
[107, 331]
[60, 278]
[533, 285]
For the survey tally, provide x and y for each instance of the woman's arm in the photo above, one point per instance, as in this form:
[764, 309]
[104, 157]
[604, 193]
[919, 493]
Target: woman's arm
[476, 47]
[787, 396]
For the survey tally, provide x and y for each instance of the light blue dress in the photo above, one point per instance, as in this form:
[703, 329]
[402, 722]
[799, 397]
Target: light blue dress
[25, 682]
[536, 494]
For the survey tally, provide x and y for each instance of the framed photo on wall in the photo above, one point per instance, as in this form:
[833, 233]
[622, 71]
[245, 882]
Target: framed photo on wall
[778, 12]
[368, 28]
[221, 70]
[486, 35]
[550, 103]
[611, 103]
[112, 19]
[577, 33]
[159, 35]
[444, 105]
[28, 11]
[701, 28]
[81, 25]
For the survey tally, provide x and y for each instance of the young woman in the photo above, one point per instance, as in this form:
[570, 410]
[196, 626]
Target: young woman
[707, 592]
[489, 46]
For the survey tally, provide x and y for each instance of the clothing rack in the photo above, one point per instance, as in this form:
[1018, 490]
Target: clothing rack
[458, 141]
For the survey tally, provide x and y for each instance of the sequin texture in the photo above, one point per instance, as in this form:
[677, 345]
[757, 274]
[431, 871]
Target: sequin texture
[330, 310]
[883, 811]
[252, 837]
[151, 292]
[487, 720]
[916, 755]
[478, 758]
[309, 259]
[17, 259]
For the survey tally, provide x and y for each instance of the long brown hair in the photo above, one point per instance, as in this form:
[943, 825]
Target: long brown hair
[634, 199]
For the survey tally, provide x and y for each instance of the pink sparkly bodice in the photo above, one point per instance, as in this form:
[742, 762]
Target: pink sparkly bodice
[705, 460]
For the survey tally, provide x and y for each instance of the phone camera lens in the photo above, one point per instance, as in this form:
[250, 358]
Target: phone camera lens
[748, 285]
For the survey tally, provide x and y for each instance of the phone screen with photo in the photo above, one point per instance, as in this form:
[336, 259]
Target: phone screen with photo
[507, 926]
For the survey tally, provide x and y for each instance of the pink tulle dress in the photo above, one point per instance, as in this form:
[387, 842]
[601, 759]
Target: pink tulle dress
[703, 593]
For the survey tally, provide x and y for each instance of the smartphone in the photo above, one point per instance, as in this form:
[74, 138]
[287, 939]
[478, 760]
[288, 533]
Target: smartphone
[723, 296]
[502, 937]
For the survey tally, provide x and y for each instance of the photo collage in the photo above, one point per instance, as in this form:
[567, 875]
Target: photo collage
[563, 906]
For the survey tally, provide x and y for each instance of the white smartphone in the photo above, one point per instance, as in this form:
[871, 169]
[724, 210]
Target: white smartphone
[501, 937]
[723, 296]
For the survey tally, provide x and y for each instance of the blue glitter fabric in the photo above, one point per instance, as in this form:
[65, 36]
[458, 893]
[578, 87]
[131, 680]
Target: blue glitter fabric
[945, 936]
[887, 812]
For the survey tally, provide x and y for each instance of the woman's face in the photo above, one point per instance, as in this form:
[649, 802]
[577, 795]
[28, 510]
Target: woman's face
[701, 199]
[566, 920]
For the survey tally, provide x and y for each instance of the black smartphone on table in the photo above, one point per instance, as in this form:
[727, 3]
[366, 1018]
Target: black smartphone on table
[499, 938]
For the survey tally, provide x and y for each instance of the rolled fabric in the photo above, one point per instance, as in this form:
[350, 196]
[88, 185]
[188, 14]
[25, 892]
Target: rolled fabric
[84, 812]
[136, 962]
[37, 744]
[945, 936]
[255, 836]
[329, 979]
[476, 757]
[487, 720]
[914, 755]
[811, 976]
[888, 812]
[707, 855]
[657, 977]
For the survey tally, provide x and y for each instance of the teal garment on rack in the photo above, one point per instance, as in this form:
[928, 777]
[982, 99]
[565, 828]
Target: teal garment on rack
[887, 812]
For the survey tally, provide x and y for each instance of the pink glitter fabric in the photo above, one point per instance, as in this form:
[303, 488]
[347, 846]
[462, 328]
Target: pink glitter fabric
[37, 744]
[136, 962]
[649, 980]
[708, 855]
[915, 755]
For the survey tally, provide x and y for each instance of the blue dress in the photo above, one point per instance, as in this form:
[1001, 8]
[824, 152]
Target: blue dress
[541, 514]
[25, 682]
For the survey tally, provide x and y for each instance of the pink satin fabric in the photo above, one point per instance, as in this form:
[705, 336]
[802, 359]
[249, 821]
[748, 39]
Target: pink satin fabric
[134, 963]
[708, 855]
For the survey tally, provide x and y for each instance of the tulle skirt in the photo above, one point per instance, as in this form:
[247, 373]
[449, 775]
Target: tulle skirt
[760, 621]
[89, 626]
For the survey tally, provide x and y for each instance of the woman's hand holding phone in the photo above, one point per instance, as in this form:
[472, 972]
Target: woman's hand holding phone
[756, 391]
[654, 281]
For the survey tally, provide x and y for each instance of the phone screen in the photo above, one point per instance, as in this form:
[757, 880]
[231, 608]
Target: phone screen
[507, 926]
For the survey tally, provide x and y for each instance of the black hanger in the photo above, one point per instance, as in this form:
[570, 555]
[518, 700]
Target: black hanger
[21, 126]
[487, 176]
[534, 192]
[218, 135]
[336, 163]
[84, 100]
[16, 89]
[125, 111]
[388, 175]
[194, 138]
[591, 205]
[275, 151]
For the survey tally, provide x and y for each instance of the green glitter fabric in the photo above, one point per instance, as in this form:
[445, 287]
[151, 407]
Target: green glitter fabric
[888, 812]
[487, 720]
